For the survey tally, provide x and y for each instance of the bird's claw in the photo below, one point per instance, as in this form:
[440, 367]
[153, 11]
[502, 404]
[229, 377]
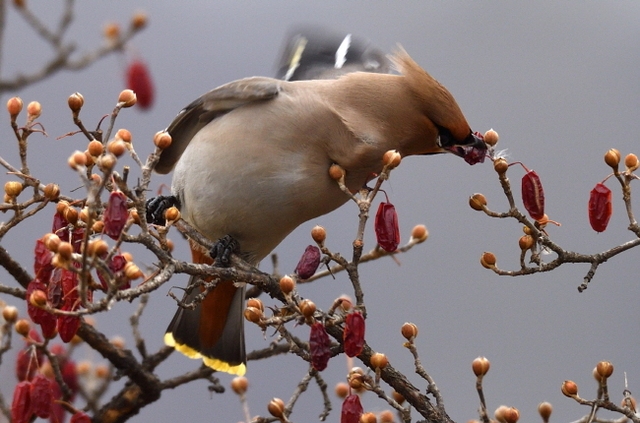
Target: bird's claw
[156, 207]
[222, 250]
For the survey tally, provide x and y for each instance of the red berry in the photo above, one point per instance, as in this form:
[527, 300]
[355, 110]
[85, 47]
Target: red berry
[115, 214]
[41, 396]
[533, 195]
[351, 409]
[309, 262]
[21, 404]
[319, 347]
[353, 334]
[139, 80]
[600, 207]
[386, 227]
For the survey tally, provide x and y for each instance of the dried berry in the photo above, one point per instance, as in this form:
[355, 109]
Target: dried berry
[533, 194]
[600, 207]
[353, 335]
[386, 227]
[68, 325]
[309, 262]
[115, 214]
[41, 396]
[351, 409]
[42, 265]
[21, 404]
[319, 346]
[139, 80]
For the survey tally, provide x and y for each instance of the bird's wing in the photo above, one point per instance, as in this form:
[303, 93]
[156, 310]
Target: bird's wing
[208, 107]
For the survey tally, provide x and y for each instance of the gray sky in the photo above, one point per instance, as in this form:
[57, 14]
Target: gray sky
[558, 81]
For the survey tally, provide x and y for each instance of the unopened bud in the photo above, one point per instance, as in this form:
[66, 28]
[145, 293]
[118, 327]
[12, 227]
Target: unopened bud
[139, 20]
[287, 284]
[162, 140]
[22, 327]
[392, 159]
[77, 159]
[480, 366]
[419, 233]
[172, 214]
[319, 234]
[500, 165]
[545, 409]
[409, 331]
[491, 137]
[488, 260]
[604, 369]
[127, 97]
[239, 385]
[10, 314]
[631, 162]
[116, 147]
[14, 107]
[51, 192]
[75, 102]
[253, 314]
[255, 302]
[13, 188]
[34, 109]
[569, 388]
[124, 135]
[336, 172]
[379, 360]
[341, 389]
[612, 158]
[307, 308]
[276, 408]
[478, 201]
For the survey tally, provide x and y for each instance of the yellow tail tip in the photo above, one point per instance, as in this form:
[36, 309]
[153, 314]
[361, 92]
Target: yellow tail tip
[214, 363]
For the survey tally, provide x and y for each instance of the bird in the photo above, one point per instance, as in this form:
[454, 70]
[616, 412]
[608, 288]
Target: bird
[250, 160]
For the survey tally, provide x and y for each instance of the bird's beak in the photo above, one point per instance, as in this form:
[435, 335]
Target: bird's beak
[473, 149]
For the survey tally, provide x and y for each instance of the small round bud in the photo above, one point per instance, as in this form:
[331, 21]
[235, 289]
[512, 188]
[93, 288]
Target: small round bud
[397, 397]
[52, 242]
[162, 140]
[569, 388]
[612, 158]
[480, 366]
[505, 414]
[287, 284]
[354, 378]
[97, 248]
[118, 342]
[10, 314]
[255, 302]
[65, 249]
[631, 162]
[239, 384]
[392, 159]
[127, 256]
[133, 214]
[22, 327]
[75, 102]
[345, 303]
[14, 107]
[253, 314]
[341, 389]
[604, 369]
[127, 97]
[34, 109]
[62, 206]
[629, 402]
[368, 418]
[525, 242]
[336, 172]
[526, 230]
[419, 233]
[545, 409]
[106, 162]
[409, 331]
[83, 368]
[117, 147]
[95, 148]
[478, 201]
[102, 371]
[139, 20]
[13, 188]
[172, 214]
[98, 226]
[379, 360]
[71, 214]
[500, 165]
[124, 135]
[169, 245]
[132, 271]
[319, 234]
[51, 192]
[491, 137]
[276, 408]
[307, 308]
[111, 31]
[488, 260]
[77, 159]
[386, 416]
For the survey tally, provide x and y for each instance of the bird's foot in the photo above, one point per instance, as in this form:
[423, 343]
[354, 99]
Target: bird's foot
[156, 207]
[222, 250]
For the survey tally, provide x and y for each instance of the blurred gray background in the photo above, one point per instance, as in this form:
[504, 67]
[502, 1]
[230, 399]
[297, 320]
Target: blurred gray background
[559, 82]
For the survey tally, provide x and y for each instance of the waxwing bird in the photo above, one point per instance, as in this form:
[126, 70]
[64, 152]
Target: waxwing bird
[252, 156]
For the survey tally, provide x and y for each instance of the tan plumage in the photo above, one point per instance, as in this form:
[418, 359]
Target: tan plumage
[253, 157]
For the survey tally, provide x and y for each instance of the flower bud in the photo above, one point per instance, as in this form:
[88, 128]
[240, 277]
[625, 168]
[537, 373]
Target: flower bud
[124, 135]
[488, 260]
[162, 140]
[478, 201]
[276, 408]
[491, 137]
[102, 372]
[106, 162]
[65, 249]
[525, 242]
[569, 388]
[13, 188]
[172, 214]
[604, 369]
[612, 158]
[10, 314]
[319, 234]
[71, 215]
[397, 397]
[409, 331]
[500, 165]
[392, 159]
[116, 147]
[51, 192]
[386, 416]
[545, 409]
[307, 308]
[255, 302]
[22, 327]
[631, 162]
[419, 233]
[379, 360]
[239, 384]
[127, 97]
[118, 342]
[253, 314]
[14, 107]
[52, 242]
[132, 271]
[111, 31]
[75, 102]
[139, 20]
[336, 172]
[341, 389]
[77, 159]
[98, 226]
[38, 298]
[287, 284]
[34, 109]
[480, 366]
[97, 248]
[368, 418]
[95, 148]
